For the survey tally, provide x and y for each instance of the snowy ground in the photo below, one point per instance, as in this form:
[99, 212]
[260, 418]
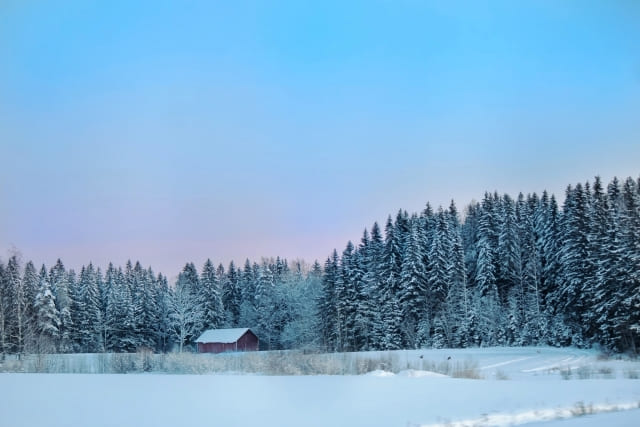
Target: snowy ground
[533, 386]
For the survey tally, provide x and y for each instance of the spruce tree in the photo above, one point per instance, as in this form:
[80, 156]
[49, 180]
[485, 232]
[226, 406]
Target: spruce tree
[327, 305]
[232, 295]
[413, 284]
[47, 320]
[213, 312]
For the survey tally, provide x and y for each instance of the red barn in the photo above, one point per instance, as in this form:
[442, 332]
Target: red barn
[222, 340]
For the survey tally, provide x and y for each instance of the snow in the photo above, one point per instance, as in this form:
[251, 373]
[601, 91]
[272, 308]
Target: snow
[539, 415]
[222, 335]
[380, 373]
[535, 393]
[413, 373]
[617, 419]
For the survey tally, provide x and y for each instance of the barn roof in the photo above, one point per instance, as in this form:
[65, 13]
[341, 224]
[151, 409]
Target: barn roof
[222, 335]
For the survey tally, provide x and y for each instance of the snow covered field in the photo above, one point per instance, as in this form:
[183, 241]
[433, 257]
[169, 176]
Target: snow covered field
[519, 386]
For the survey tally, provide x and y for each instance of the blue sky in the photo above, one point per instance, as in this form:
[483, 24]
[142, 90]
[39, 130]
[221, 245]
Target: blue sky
[176, 131]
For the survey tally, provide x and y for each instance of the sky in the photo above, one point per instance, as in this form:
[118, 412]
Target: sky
[169, 132]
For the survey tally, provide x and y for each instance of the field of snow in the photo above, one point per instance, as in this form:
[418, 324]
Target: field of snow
[534, 386]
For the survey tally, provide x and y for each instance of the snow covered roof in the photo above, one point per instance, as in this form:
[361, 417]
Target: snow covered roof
[222, 335]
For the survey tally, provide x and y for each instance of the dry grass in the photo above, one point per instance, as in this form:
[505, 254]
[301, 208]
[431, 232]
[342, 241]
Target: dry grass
[266, 363]
[501, 375]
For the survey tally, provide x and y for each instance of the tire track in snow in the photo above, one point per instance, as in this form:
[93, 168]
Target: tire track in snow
[560, 364]
[536, 415]
[496, 365]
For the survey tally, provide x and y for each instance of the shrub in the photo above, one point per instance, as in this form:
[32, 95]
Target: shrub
[501, 375]
[606, 372]
[584, 372]
[580, 409]
[468, 369]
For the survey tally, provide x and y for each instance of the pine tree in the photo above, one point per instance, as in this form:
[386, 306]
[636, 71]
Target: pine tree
[47, 320]
[248, 313]
[15, 316]
[365, 286]
[438, 266]
[390, 293]
[509, 271]
[347, 294]
[573, 258]
[213, 312]
[111, 319]
[413, 284]
[60, 281]
[457, 301]
[485, 265]
[145, 310]
[232, 295]
[30, 284]
[5, 310]
[630, 327]
[489, 319]
[264, 302]
[470, 235]
[87, 315]
[597, 238]
[375, 280]
[549, 244]
[164, 314]
[327, 310]
[607, 297]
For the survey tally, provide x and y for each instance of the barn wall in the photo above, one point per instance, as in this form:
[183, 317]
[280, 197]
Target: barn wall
[248, 342]
[215, 347]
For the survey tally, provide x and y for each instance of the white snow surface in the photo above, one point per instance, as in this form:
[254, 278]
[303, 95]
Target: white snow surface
[225, 336]
[533, 393]
[413, 373]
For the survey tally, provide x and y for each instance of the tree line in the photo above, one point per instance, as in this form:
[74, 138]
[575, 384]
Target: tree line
[514, 272]
[123, 310]
[509, 271]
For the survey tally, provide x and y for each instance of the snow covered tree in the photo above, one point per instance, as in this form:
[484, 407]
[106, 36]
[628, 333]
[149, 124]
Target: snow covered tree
[16, 301]
[186, 305]
[301, 331]
[413, 284]
[231, 295]
[264, 302]
[5, 311]
[145, 310]
[87, 317]
[248, 279]
[486, 248]
[164, 319]
[327, 305]
[374, 283]
[365, 306]
[184, 319]
[47, 320]
[573, 255]
[30, 283]
[457, 301]
[629, 325]
[213, 312]
[60, 281]
[509, 262]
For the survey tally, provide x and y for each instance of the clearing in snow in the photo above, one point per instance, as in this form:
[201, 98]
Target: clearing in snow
[517, 386]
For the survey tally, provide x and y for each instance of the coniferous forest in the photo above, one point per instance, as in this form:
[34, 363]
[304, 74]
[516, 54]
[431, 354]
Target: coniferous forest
[506, 271]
